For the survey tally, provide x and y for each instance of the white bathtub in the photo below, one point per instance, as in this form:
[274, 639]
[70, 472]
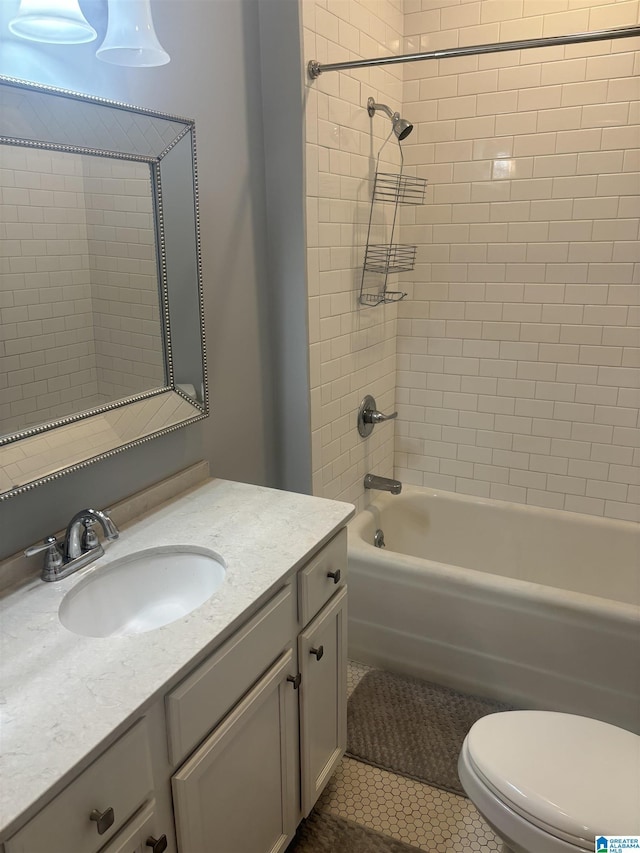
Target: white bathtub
[536, 607]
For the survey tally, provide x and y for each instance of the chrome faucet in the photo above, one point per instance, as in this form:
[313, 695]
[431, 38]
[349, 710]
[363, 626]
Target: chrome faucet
[79, 547]
[78, 541]
[384, 484]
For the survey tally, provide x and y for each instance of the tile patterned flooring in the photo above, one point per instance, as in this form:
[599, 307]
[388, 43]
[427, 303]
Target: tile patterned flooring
[418, 814]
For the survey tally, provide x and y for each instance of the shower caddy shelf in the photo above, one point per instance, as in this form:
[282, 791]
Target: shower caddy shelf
[389, 258]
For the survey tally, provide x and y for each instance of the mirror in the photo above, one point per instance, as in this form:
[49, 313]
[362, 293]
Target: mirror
[101, 335]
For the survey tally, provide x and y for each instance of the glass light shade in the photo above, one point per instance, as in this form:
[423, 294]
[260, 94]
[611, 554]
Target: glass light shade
[131, 38]
[54, 21]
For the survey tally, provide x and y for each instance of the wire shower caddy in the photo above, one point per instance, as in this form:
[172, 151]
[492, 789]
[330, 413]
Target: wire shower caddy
[389, 258]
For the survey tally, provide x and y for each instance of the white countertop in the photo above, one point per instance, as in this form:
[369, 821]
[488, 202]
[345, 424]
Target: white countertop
[62, 694]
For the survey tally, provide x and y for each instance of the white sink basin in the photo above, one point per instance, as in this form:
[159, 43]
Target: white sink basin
[141, 592]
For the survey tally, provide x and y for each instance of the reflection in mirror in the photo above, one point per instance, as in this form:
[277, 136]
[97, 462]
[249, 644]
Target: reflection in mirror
[48, 453]
[80, 303]
[101, 331]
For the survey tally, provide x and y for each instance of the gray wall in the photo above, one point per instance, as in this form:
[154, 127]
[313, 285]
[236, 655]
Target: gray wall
[282, 106]
[214, 77]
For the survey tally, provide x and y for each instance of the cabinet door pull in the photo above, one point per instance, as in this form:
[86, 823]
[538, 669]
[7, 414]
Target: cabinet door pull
[103, 819]
[295, 680]
[335, 575]
[157, 845]
[317, 652]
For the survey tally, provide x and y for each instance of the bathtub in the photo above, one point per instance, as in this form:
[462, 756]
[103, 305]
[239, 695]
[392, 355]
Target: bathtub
[536, 607]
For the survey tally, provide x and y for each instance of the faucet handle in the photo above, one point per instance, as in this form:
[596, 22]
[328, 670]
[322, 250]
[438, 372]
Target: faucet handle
[377, 417]
[49, 542]
[110, 528]
[89, 537]
[369, 416]
[53, 560]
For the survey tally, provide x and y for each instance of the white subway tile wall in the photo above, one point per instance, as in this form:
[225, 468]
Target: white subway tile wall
[47, 356]
[71, 305]
[516, 373]
[518, 349]
[124, 277]
[352, 348]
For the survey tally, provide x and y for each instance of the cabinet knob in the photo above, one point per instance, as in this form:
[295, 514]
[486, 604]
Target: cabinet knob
[335, 575]
[103, 819]
[295, 680]
[157, 845]
[317, 652]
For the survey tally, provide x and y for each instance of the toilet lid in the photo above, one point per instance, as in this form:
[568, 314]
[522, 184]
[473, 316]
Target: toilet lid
[572, 776]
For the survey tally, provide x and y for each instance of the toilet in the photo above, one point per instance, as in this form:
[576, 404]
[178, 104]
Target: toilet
[548, 782]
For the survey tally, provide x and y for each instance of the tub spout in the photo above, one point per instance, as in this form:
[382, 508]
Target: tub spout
[384, 484]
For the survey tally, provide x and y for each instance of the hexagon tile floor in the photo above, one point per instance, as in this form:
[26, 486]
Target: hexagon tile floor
[418, 814]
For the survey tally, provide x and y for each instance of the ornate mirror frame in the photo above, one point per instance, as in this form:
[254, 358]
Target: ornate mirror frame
[43, 117]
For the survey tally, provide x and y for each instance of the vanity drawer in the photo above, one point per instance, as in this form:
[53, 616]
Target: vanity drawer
[315, 582]
[120, 779]
[133, 838]
[198, 704]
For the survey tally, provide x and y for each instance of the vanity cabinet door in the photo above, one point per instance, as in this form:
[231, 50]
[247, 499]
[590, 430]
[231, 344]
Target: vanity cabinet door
[239, 792]
[322, 656]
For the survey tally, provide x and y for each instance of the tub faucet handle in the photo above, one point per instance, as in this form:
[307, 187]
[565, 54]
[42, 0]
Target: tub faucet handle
[369, 416]
[377, 417]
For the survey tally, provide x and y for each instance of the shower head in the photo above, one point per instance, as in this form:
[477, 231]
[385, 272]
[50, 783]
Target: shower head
[401, 127]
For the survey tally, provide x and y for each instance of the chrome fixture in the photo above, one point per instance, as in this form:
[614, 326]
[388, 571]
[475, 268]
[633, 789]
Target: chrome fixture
[378, 538]
[401, 127]
[383, 484]
[79, 547]
[315, 68]
[369, 416]
[78, 541]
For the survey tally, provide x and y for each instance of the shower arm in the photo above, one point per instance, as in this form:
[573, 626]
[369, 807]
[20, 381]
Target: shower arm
[372, 107]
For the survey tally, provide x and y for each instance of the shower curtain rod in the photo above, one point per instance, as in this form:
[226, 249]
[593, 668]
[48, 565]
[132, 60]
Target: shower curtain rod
[315, 69]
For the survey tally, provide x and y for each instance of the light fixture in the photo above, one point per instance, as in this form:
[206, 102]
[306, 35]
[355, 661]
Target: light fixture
[54, 21]
[131, 38]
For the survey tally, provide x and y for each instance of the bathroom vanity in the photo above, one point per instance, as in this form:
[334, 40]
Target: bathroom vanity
[215, 732]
